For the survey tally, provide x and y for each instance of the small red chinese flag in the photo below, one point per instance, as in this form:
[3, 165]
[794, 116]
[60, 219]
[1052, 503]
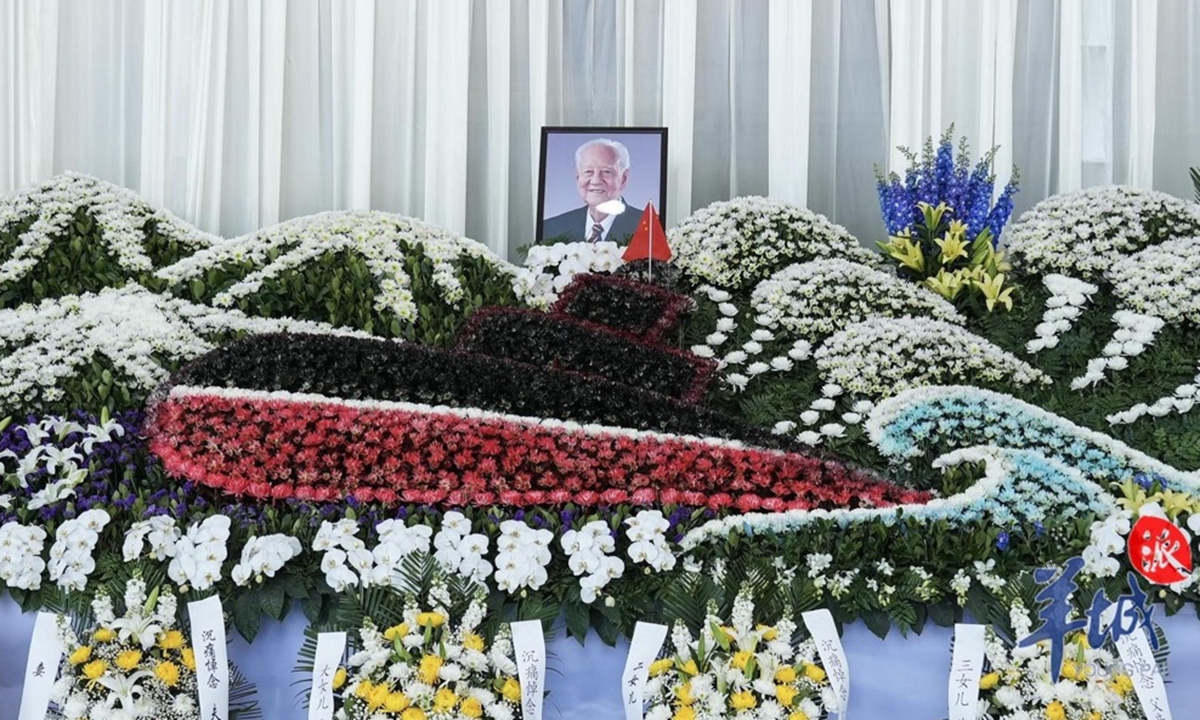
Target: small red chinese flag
[649, 241]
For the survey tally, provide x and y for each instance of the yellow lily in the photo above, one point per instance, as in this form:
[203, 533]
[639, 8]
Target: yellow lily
[933, 215]
[948, 285]
[906, 252]
[993, 291]
[952, 247]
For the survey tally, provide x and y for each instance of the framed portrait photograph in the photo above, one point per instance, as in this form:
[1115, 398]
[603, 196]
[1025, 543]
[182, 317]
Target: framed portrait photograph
[588, 174]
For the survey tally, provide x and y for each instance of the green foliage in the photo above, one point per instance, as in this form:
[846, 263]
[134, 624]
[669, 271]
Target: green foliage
[338, 288]
[79, 261]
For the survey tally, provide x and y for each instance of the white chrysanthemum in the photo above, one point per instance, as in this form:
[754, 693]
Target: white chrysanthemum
[881, 357]
[816, 299]
[1085, 233]
[732, 243]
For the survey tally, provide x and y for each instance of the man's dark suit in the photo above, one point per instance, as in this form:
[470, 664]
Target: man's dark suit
[568, 227]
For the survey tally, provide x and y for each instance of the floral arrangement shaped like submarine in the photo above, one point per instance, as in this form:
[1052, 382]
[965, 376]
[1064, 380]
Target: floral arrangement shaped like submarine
[583, 404]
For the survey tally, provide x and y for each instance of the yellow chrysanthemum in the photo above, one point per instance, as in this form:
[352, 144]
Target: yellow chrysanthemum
[128, 659]
[1072, 671]
[95, 669]
[785, 674]
[683, 694]
[471, 708]
[684, 713]
[378, 696]
[1056, 711]
[814, 672]
[395, 632]
[658, 667]
[167, 672]
[364, 689]
[188, 658]
[431, 619]
[445, 700]
[798, 715]
[170, 640]
[80, 655]
[742, 700]
[690, 668]
[471, 641]
[1122, 684]
[768, 633]
[396, 702]
[741, 659]
[103, 635]
[339, 678]
[413, 713]
[1095, 715]
[511, 690]
[786, 694]
[989, 681]
[428, 670]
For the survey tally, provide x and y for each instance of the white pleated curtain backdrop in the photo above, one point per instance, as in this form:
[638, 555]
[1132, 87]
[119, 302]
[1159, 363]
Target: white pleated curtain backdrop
[240, 115]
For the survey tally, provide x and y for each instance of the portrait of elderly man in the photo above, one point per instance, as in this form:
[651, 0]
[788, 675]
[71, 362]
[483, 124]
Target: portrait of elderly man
[601, 174]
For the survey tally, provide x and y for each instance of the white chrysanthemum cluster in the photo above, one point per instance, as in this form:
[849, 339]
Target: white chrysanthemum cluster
[200, 552]
[1181, 401]
[21, 562]
[461, 551]
[881, 357]
[589, 554]
[549, 269]
[522, 555]
[160, 532]
[120, 214]
[1134, 332]
[75, 540]
[129, 327]
[64, 463]
[738, 669]
[137, 665]
[731, 244]
[263, 556]
[432, 665]
[815, 299]
[1163, 281]
[1063, 308]
[648, 540]
[383, 240]
[1092, 682]
[1085, 233]
[342, 549]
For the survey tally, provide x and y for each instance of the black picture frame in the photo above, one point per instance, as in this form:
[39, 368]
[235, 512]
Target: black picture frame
[561, 200]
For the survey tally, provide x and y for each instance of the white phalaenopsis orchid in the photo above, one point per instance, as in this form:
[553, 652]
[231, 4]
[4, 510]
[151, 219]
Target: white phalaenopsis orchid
[159, 531]
[21, 562]
[71, 560]
[648, 542]
[589, 554]
[550, 268]
[522, 556]
[263, 556]
[200, 553]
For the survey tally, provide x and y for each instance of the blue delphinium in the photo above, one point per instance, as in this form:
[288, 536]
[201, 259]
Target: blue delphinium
[937, 176]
